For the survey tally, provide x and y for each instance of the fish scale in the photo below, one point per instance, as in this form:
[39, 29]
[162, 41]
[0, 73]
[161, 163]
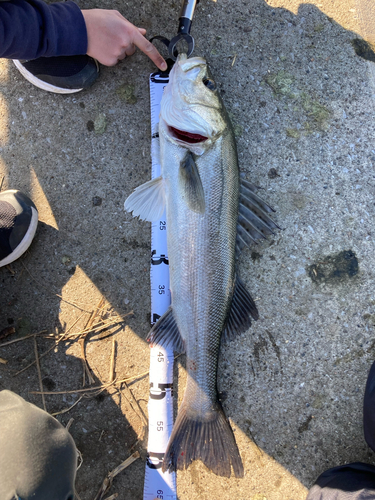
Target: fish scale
[196, 242]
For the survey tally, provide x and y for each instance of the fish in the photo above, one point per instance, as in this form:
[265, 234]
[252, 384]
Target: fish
[211, 214]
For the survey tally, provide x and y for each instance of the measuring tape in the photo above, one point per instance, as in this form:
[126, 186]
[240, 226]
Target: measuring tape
[159, 484]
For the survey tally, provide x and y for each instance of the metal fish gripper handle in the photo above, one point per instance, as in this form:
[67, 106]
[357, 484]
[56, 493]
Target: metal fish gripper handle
[184, 26]
[185, 21]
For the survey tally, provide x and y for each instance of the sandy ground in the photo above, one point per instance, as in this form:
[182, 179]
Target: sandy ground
[302, 103]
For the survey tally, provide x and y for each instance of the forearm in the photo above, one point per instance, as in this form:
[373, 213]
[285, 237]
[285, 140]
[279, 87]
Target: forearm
[33, 29]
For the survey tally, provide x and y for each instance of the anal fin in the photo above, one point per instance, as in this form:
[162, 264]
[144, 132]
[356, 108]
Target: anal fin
[166, 333]
[243, 308]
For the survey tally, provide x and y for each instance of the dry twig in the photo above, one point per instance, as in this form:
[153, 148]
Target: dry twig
[33, 363]
[11, 270]
[107, 483]
[97, 327]
[68, 330]
[76, 495]
[86, 389]
[101, 387]
[23, 338]
[65, 410]
[112, 364]
[136, 408]
[86, 369]
[69, 424]
[39, 373]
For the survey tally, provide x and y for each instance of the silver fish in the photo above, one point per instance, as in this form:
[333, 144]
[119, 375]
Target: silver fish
[211, 215]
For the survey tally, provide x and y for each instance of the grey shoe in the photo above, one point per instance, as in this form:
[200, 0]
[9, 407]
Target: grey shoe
[18, 222]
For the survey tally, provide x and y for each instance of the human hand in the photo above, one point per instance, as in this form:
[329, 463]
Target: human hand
[111, 38]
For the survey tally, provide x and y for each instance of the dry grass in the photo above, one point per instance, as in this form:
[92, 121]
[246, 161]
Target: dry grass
[107, 483]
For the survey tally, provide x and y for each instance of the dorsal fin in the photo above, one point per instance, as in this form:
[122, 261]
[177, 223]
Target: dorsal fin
[254, 222]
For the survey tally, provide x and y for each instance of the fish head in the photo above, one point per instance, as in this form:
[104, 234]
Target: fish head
[192, 113]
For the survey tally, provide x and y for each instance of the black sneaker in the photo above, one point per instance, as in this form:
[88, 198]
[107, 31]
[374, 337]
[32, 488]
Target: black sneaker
[61, 75]
[18, 221]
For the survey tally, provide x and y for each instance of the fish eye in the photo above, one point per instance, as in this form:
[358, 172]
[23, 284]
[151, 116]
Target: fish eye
[210, 84]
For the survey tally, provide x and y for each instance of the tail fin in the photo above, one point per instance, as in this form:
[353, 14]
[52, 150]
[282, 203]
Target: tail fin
[211, 441]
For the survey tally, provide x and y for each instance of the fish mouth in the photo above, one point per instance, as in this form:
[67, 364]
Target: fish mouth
[188, 137]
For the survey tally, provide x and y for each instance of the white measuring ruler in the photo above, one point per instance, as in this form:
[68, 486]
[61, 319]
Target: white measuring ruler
[159, 484]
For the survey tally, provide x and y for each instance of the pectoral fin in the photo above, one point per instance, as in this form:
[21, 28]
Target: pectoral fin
[148, 200]
[191, 185]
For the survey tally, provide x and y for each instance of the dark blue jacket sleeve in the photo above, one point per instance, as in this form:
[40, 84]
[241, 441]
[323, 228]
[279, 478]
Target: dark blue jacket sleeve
[31, 29]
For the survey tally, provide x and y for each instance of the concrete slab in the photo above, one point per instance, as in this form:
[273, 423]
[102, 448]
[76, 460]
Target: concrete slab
[302, 103]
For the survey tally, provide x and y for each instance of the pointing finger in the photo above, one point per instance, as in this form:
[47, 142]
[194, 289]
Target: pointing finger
[150, 50]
